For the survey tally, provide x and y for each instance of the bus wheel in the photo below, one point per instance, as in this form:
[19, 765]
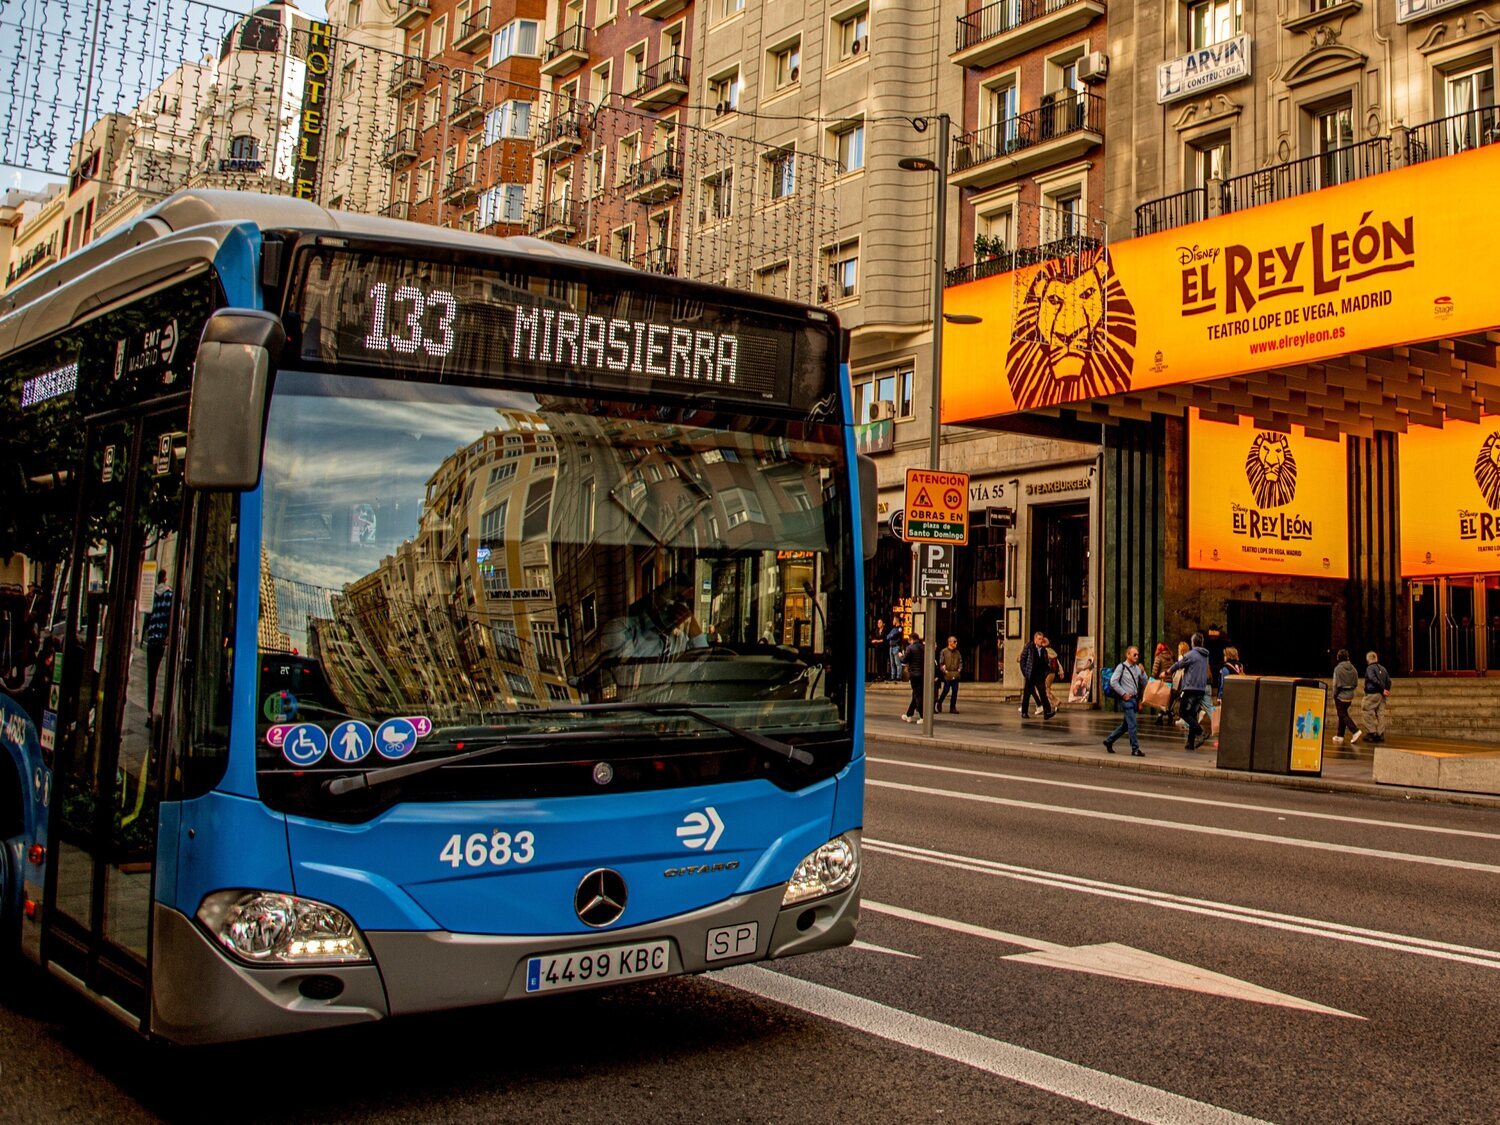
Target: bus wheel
[10, 901]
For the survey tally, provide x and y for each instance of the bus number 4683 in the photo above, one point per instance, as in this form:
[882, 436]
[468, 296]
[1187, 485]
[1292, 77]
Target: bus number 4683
[488, 849]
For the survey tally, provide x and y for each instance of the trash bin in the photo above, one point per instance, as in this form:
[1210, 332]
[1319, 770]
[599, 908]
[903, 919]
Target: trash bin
[1288, 734]
[1272, 724]
[1237, 722]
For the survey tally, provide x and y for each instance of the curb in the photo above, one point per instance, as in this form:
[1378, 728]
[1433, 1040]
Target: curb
[1175, 769]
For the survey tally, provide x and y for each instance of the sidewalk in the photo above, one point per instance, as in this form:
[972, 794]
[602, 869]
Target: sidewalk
[1076, 734]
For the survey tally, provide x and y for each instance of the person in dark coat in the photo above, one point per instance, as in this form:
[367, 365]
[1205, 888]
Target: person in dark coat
[895, 640]
[158, 625]
[915, 659]
[1194, 667]
[1345, 680]
[1034, 668]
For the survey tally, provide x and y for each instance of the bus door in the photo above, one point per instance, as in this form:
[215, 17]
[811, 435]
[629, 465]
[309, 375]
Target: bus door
[111, 717]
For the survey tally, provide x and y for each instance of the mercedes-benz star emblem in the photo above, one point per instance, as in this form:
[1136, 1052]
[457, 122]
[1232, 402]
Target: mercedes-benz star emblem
[600, 898]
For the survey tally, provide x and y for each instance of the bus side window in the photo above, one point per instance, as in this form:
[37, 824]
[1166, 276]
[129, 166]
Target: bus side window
[205, 687]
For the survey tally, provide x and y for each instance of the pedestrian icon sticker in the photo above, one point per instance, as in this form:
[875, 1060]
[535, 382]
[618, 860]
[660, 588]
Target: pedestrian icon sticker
[304, 745]
[352, 742]
[396, 738]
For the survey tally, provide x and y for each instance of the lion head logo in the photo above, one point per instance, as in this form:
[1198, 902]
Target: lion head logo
[1074, 335]
[1271, 470]
[1487, 470]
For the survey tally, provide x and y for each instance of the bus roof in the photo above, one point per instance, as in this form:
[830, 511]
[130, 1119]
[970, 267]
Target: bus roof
[185, 231]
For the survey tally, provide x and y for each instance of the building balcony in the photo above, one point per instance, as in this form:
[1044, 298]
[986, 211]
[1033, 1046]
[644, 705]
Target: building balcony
[557, 220]
[561, 136]
[1062, 128]
[400, 148]
[401, 209]
[566, 51]
[409, 13]
[657, 178]
[1005, 29]
[462, 184]
[474, 33]
[467, 107]
[40, 256]
[658, 9]
[1004, 261]
[1448, 136]
[1171, 211]
[1298, 177]
[662, 84]
[408, 76]
[659, 259]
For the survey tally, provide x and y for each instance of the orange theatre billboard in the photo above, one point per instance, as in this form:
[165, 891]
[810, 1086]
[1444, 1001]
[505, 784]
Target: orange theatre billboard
[1265, 502]
[1380, 262]
[1450, 498]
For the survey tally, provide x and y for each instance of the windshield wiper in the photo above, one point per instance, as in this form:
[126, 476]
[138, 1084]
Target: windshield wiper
[351, 782]
[754, 738]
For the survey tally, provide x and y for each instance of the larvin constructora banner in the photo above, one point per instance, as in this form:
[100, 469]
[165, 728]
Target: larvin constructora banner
[1390, 260]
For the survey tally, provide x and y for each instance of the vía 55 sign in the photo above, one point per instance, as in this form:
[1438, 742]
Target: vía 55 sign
[937, 507]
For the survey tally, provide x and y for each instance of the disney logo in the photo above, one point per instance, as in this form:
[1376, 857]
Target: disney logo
[1187, 255]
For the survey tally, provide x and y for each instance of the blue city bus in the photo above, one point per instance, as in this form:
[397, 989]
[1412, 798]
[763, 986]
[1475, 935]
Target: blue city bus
[394, 619]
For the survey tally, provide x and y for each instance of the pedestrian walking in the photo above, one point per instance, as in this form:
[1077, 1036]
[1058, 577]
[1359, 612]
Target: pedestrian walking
[1345, 681]
[1377, 691]
[1034, 669]
[1127, 681]
[1054, 670]
[1161, 664]
[915, 660]
[1194, 667]
[1230, 667]
[895, 641]
[950, 664]
[158, 625]
[1174, 705]
[879, 662]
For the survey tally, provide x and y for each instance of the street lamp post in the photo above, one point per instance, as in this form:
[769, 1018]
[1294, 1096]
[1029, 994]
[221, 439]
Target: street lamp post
[934, 437]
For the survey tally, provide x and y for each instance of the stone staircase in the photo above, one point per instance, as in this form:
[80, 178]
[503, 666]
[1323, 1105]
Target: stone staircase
[1462, 708]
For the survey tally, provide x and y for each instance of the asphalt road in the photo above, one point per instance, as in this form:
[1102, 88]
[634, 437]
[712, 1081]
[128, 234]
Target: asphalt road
[1041, 942]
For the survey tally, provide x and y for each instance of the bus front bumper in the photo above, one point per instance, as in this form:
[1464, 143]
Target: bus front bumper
[201, 996]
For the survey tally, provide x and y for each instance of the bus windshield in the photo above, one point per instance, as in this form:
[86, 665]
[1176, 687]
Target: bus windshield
[438, 561]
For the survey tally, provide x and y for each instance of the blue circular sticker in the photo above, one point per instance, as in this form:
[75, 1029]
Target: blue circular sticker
[396, 738]
[351, 741]
[304, 744]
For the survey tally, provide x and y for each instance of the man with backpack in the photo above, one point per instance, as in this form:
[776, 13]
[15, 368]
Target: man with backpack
[1126, 683]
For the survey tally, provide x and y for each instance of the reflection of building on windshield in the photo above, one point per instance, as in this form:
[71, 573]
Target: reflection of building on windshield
[668, 543]
[458, 621]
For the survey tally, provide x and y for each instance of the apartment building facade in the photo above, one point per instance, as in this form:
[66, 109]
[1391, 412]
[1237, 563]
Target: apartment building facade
[1029, 94]
[465, 91]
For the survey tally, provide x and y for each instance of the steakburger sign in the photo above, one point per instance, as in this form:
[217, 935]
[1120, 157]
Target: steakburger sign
[1376, 263]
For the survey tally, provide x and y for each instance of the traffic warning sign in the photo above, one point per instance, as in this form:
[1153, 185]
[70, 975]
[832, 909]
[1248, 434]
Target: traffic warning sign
[937, 507]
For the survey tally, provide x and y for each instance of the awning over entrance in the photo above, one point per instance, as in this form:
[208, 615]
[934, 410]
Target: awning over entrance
[1363, 307]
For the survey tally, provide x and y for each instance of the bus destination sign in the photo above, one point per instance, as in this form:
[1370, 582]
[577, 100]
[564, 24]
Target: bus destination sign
[444, 318]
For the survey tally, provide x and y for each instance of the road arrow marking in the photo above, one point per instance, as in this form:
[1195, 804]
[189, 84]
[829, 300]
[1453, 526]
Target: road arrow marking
[1112, 959]
[882, 949]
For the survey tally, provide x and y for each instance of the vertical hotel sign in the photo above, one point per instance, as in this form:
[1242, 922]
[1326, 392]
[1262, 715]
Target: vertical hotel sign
[1450, 498]
[1376, 263]
[1266, 501]
[314, 109]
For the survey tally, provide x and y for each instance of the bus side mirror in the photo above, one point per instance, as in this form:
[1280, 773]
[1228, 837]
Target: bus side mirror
[227, 413]
[869, 492]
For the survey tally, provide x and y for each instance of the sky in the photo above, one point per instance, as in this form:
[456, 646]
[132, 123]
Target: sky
[47, 95]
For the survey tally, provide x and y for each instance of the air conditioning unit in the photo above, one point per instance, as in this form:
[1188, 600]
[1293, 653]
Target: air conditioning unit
[796, 73]
[857, 46]
[822, 294]
[1093, 68]
[721, 109]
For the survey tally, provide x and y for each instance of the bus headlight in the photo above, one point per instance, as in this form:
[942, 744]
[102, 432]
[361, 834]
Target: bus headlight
[828, 870]
[270, 928]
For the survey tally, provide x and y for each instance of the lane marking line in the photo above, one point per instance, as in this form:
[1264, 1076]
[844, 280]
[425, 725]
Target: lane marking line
[1202, 829]
[1135, 1101]
[1122, 962]
[871, 948]
[1271, 809]
[1335, 931]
